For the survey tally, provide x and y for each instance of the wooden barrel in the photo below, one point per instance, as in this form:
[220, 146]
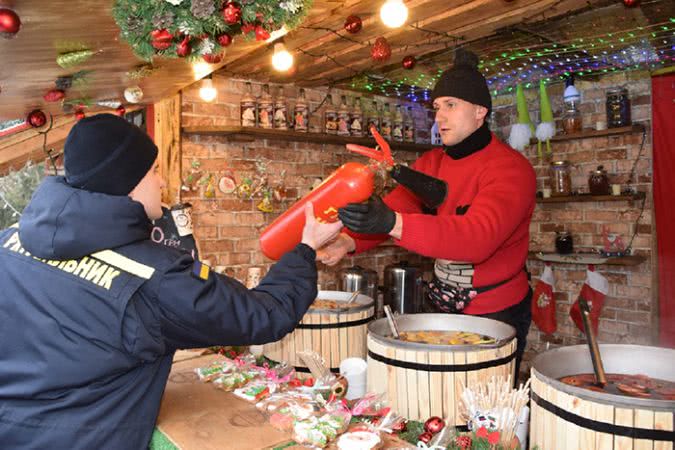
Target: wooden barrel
[569, 417]
[422, 380]
[335, 334]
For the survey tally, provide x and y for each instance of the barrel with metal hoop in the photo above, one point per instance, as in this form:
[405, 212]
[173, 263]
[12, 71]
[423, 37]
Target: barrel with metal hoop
[334, 333]
[423, 380]
[567, 416]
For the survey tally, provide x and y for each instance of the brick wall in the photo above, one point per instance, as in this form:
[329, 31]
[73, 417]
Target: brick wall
[228, 228]
[629, 310]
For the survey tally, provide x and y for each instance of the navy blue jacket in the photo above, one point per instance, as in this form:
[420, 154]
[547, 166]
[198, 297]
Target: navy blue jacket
[91, 312]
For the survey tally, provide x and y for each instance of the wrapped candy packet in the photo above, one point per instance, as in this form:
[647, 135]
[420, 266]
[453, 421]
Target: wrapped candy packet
[319, 431]
[231, 381]
[284, 408]
[215, 370]
[255, 390]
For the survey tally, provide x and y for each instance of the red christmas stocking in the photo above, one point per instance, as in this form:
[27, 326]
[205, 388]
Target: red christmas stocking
[543, 303]
[593, 291]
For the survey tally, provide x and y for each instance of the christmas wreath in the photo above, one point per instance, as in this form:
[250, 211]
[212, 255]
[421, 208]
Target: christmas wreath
[200, 28]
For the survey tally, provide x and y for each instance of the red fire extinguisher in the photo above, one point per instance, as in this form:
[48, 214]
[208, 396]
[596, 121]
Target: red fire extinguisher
[350, 183]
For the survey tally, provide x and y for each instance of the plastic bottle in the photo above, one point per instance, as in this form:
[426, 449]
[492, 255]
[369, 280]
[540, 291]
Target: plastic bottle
[300, 113]
[266, 108]
[330, 116]
[350, 183]
[280, 111]
[356, 119]
[397, 125]
[373, 118]
[343, 117]
[385, 122]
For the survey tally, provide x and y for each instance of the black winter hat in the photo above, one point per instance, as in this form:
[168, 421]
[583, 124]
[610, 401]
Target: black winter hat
[464, 81]
[105, 153]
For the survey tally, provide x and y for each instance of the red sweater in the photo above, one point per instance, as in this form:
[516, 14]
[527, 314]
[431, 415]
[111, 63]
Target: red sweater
[498, 185]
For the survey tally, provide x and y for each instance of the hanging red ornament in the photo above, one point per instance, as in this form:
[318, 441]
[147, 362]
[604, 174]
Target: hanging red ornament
[261, 34]
[425, 437]
[224, 39]
[247, 28]
[353, 24]
[183, 49]
[380, 51]
[213, 59]
[10, 23]
[232, 13]
[79, 114]
[434, 424]
[36, 118]
[54, 95]
[409, 62]
[120, 111]
[631, 3]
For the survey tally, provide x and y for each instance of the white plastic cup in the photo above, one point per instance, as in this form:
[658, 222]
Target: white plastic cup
[547, 192]
[354, 370]
[616, 189]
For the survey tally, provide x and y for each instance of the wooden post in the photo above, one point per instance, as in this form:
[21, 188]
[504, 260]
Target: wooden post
[166, 123]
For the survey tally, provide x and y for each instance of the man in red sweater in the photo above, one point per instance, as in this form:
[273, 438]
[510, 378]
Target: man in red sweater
[479, 234]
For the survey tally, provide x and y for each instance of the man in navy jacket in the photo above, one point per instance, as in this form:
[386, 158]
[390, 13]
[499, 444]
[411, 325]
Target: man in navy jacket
[92, 311]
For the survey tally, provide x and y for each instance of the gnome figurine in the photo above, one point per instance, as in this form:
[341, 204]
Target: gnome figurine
[522, 131]
[546, 129]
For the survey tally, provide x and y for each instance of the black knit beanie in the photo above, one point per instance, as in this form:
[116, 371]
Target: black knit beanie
[105, 153]
[464, 81]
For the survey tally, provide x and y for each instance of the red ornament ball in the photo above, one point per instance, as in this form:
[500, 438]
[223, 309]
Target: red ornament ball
[434, 424]
[54, 95]
[232, 13]
[120, 111]
[79, 114]
[631, 3]
[10, 23]
[400, 426]
[36, 118]
[463, 442]
[425, 437]
[224, 39]
[409, 62]
[380, 51]
[213, 59]
[161, 39]
[353, 24]
[261, 34]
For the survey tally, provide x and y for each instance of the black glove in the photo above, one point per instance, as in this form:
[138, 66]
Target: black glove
[371, 217]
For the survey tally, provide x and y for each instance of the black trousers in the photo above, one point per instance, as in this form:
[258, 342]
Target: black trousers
[519, 316]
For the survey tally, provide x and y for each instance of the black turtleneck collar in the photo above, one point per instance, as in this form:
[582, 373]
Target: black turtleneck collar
[478, 140]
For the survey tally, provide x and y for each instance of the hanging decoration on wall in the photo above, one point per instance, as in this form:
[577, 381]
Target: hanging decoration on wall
[142, 71]
[36, 118]
[167, 29]
[72, 59]
[192, 177]
[227, 183]
[54, 95]
[409, 62]
[133, 94]
[10, 23]
[353, 24]
[380, 51]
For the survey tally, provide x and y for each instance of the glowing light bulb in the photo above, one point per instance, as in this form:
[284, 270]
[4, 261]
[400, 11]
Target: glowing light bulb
[282, 60]
[207, 92]
[394, 13]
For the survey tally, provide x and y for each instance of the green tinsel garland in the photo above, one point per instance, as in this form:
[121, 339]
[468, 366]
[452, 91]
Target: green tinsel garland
[135, 20]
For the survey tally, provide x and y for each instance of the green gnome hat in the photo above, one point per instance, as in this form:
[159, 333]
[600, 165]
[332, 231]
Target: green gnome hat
[546, 129]
[522, 131]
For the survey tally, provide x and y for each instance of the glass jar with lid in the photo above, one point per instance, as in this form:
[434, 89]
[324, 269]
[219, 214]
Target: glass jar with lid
[598, 182]
[571, 120]
[561, 179]
[618, 108]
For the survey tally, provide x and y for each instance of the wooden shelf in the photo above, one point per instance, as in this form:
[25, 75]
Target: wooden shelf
[249, 134]
[589, 134]
[588, 258]
[592, 198]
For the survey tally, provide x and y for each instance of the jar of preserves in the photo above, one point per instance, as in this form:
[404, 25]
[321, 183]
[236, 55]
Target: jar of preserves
[618, 108]
[561, 180]
[571, 121]
[598, 183]
[563, 243]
